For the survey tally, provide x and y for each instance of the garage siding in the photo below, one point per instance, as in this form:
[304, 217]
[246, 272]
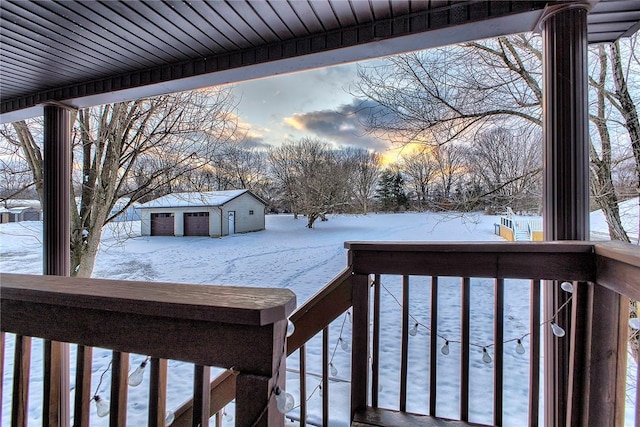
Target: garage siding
[249, 214]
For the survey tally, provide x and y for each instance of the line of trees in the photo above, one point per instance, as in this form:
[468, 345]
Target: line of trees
[459, 94]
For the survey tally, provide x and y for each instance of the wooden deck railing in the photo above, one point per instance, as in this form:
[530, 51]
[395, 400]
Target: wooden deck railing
[359, 289]
[604, 272]
[241, 329]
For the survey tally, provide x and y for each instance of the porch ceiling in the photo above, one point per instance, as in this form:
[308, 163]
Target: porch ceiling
[93, 52]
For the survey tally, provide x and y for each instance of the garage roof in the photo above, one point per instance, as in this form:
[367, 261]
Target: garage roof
[99, 51]
[196, 199]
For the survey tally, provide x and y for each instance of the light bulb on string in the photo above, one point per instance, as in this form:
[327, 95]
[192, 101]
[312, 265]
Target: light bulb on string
[634, 323]
[227, 416]
[343, 344]
[557, 330]
[486, 357]
[284, 400]
[519, 347]
[567, 287]
[445, 348]
[291, 328]
[349, 316]
[333, 369]
[102, 406]
[414, 330]
[137, 375]
[169, 418]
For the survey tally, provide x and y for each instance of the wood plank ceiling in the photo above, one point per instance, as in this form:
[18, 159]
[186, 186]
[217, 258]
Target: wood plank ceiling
[95, 51]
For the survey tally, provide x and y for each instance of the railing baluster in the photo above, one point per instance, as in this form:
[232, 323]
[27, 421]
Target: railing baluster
[405, 343]
[201, 391]
[303, 386]
[84, 359]
[433, 358]
[325, 376]
[498, 336]
[119, 377]
[464, 357]
[375, 357]
[55, 408]
[534, 356]
[21, 366]
[157, 392]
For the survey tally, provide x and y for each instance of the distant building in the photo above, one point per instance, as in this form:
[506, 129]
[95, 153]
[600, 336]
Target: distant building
[131, 213]
[212, 213]
[26, 210]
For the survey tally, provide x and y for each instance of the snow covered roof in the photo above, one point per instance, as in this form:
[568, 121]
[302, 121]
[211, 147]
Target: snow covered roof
[207, 198]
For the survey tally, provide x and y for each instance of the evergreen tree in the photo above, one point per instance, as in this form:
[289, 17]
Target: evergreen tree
[391, 192]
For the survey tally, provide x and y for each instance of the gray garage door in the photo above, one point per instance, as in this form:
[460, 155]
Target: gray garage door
[196, 224]
[162, 224]
[31, 216]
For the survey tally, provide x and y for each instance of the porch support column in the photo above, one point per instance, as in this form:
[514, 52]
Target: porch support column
[566, 178]
[57, 254]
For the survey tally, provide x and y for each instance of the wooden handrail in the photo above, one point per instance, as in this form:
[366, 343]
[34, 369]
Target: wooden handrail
[565, 260]
[320, 310]
[618, 268]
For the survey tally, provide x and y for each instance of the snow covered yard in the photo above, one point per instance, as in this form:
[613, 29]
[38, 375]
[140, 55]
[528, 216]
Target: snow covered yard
[288, 255]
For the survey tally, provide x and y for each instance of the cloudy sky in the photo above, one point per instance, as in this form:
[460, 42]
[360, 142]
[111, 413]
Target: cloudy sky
[314, 104]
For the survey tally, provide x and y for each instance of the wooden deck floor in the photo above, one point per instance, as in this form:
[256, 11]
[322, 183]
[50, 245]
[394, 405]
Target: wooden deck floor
[386, 417]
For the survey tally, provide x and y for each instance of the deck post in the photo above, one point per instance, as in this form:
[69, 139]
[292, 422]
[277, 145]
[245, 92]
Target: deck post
[57, 254]
[359, 342]
[566, 177]
[255, 392]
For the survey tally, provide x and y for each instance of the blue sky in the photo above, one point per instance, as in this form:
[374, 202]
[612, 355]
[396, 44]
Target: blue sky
[313, 104]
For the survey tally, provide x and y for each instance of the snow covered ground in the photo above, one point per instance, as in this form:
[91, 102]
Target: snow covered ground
[288, 255]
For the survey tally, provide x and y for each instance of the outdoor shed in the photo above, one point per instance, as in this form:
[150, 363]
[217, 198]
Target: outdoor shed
[20, 213]
[211, 213]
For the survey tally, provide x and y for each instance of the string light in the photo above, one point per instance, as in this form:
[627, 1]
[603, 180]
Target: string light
[486, 357]
[567, 287]
[284, 400]
[136, 377]
[102, 405]
[414, 330]
[227, 416]
[343, 344]
[445, 348]
[557, 330]
[169, 418]
[333, 369]
[291, 328]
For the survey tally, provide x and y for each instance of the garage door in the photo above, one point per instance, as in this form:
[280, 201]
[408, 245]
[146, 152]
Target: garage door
[31, 216]
[196, 224]
[162, 224]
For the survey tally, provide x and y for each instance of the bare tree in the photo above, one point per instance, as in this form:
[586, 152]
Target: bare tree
[453, 93]
[364, 171]
[420, 168]
[130, 150]
[313, 177]
[507, 169]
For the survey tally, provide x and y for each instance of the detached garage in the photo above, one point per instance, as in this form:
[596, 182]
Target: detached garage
[211, 213]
